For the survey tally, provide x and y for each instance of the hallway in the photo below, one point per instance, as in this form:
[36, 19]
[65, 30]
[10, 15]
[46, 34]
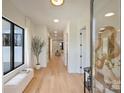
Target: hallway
[55, 79]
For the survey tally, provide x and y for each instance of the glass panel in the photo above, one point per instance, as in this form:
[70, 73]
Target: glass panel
[18, 46]
[106, 46]
[6, 46]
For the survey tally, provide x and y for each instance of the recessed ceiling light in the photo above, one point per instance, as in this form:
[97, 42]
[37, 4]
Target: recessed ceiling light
[100, 32]
[118, 30]
[109, 14]
[102, 28]
[55, 32]
[57, 2]
[56, 20]
[60, 44]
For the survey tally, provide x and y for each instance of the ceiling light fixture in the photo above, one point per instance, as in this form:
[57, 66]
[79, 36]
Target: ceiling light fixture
[56, 20]
[102, 28]
[118, 30]
[55, 32]
[57, 2]
[109, 14]
[100, 32]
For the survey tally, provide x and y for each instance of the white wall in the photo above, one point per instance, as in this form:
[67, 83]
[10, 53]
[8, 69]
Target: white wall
[74, 46]
[41, 31]
[10, 12]
[66, 32]
[88, 50]
[51, 52]
[30, 27]
[73, 49]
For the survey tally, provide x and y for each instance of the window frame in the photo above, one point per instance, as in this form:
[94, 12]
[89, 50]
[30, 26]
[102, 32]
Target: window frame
[12, 29]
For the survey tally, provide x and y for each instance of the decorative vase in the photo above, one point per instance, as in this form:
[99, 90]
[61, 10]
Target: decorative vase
[37, 66]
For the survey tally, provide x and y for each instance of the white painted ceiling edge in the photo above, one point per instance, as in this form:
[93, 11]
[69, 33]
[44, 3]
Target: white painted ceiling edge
[107, 6]
[42, 12]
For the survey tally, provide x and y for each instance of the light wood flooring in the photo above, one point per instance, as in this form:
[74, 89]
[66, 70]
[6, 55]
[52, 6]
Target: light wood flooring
[55, 79]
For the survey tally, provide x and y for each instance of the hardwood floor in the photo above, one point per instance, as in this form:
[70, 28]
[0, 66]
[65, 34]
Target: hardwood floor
[55, 79]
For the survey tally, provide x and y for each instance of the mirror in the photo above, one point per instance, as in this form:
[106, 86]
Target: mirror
[106, 46]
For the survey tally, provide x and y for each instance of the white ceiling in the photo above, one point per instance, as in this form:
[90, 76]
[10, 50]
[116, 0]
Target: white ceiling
[42, 12]
[101, 7]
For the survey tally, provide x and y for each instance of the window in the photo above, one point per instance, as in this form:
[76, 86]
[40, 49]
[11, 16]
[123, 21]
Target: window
[6, 45]
[13, 45]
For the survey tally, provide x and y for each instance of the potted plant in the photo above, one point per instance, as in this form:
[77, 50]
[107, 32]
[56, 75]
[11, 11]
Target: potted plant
[37, 46]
